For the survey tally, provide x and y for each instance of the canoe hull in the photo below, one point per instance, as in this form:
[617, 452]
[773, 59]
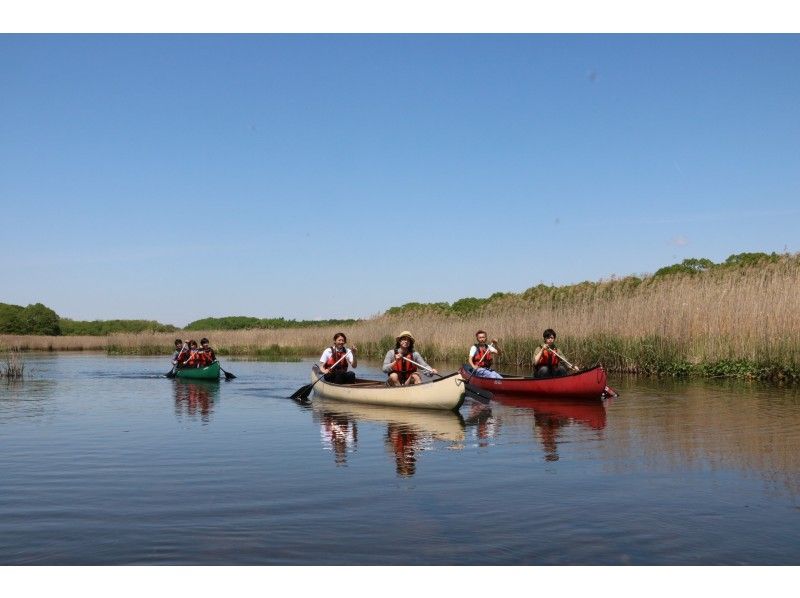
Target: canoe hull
[586, 384]
[210, 372]
[444, 393]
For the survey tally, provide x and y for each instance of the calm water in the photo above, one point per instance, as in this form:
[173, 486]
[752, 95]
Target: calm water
[103, 461]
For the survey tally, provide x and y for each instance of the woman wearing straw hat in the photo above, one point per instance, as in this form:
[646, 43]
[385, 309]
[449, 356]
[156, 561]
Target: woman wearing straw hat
[401, 363]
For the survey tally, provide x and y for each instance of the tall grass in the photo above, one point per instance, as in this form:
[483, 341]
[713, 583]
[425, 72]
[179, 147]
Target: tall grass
[741, 322]
[14, 367]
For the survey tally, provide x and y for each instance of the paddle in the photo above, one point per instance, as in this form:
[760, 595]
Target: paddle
[608, 390]
[485, 394]
[302, 393]
[171, 373]
[228, 375]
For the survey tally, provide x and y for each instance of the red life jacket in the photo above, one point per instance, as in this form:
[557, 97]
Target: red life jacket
[336, 356]
[401, 366]
[547, 358]
[204, 357]
[194, 358]
[482, 354]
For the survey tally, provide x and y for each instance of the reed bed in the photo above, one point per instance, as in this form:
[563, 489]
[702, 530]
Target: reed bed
[14, 367]
[736, 323]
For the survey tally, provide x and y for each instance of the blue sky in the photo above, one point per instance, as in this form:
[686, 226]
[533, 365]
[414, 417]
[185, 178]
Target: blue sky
[316, 176]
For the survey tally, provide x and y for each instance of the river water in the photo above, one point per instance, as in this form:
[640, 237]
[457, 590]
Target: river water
[105, 461]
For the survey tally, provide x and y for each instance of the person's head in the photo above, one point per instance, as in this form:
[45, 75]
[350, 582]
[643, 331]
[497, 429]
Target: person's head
[203, 342]
[405, 341]
[178, 343]
[193, 344]
[339, 339]
[480, 336]
[549, 336]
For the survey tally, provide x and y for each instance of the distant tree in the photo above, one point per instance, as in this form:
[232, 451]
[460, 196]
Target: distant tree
[687, 266]
[33, 319]
[751, 259]
[40, 319]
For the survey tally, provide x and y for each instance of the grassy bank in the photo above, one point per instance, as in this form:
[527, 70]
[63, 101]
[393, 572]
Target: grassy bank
[741, 322]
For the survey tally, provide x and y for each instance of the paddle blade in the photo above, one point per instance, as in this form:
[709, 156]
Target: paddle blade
[170, 374]
[302, 393]
[228, 375]
[482, 396]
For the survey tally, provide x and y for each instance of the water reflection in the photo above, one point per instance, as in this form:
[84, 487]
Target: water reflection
[195, 398]
[552, 416]
[482, 423]
[408, 431]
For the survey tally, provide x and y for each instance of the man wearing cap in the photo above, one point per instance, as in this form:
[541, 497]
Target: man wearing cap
[402, 362]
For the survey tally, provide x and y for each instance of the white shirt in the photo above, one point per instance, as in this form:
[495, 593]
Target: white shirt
[327, 354]
[473, 349]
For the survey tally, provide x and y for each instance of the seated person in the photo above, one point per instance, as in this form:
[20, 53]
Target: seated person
[398, 362]
[334, 361]
[546, 363]
[206, 353]
[481, 356]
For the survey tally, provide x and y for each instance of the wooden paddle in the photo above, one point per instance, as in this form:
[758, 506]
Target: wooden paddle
[302, 393]
[483, 394]
[608, 390]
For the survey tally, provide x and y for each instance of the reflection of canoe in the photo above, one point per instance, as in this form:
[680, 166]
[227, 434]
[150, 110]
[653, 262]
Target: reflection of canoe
[210, 372]
[585, 384]
[590, 413]
[443, 393]
[442, 425]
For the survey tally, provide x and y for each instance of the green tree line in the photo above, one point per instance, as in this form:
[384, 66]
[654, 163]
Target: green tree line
[245, 322]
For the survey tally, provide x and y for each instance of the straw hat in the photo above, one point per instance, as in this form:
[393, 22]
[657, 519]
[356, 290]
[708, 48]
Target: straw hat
[404, 333]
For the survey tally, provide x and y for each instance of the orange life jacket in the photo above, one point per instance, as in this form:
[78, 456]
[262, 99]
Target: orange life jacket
[483, 357]
[547, 358]
[401, 366]
[194, 358]
[336, 356]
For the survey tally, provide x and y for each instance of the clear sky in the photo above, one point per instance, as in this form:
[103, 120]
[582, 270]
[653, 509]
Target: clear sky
[321, 176]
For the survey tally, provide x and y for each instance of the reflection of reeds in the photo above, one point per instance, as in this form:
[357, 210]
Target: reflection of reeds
[738, 322]
[14, 367]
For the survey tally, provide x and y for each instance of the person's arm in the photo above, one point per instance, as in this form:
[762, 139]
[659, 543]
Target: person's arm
[352, 358]
[324, 358]
[472, 351]
[420, 360]
[388, 361]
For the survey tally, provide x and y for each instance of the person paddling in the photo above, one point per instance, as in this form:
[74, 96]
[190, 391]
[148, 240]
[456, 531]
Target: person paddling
[546, 363]
[333, 366]
[398, 362]
[481, 356]
[206, 353]
[176, 355]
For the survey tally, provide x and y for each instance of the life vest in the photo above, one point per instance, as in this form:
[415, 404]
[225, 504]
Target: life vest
[336, 356]
[205, 357]
[483, 357]
[547, 358]
[403, 367]
[183, 356]
[194, 358]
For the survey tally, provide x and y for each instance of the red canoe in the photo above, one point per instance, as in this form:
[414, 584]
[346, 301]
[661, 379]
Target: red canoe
[587, 384]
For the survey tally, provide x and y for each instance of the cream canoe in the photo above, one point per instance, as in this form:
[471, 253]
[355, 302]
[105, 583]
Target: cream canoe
[443, 393]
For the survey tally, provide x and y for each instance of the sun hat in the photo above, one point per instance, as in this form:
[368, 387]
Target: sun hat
[404, 333]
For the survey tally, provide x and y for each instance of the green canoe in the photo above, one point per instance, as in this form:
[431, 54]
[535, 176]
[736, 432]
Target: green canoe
[210, 372]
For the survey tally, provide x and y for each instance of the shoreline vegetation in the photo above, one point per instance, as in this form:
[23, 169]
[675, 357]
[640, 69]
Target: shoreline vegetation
[738, 319]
